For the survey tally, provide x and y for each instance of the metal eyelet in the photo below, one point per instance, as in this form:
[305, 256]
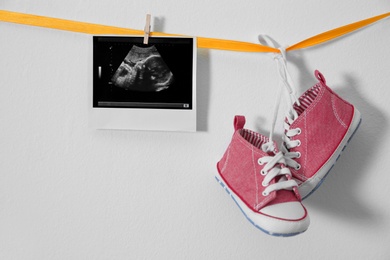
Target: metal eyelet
[299, 131]
[260, 162]
[262, 172]
[264, 184]
[265, 194]
[298, 167]
[298, 155]
[299, 143]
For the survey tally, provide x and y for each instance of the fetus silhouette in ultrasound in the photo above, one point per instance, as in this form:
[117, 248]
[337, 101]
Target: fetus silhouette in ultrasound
[143, 69]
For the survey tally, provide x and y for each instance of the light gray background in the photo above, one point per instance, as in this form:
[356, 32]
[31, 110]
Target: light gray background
[70, 192]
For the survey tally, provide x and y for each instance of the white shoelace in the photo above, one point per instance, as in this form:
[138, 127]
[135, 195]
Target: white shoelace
[271, 170]
[285, 79]
[284, 157]
[291, 115]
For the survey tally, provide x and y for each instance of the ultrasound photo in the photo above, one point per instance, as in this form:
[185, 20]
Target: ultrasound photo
[130, 74]
[143, 69]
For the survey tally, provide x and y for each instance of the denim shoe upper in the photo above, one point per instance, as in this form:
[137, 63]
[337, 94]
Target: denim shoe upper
[241, 169]
[322, 122]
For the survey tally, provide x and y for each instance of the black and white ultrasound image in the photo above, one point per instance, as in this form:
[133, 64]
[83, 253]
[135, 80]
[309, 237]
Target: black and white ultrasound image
[143, 69]
[130, 74]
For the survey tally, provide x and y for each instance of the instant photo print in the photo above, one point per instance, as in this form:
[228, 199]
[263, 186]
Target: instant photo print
[144, 86]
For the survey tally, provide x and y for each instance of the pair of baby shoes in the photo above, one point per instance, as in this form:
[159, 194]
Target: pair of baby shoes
[268, 183]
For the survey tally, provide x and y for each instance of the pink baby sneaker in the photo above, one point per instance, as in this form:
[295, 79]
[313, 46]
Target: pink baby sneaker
[260, 184]
[317, 129]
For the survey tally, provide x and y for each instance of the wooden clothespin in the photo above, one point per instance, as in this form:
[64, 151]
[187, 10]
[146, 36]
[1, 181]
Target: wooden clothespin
[147, 29]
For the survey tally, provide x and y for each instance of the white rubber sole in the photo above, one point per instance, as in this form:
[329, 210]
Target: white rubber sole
[309, 186]
[269, 225]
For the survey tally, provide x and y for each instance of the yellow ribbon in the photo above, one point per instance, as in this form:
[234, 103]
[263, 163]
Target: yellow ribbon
[209, 43]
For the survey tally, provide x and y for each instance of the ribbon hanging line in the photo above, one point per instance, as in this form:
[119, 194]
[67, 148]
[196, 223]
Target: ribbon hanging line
[208, 43]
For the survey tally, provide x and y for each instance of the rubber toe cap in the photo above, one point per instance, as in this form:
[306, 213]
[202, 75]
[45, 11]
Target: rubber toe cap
[288, 210]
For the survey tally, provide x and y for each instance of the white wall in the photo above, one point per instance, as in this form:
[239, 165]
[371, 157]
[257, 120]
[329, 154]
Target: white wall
[70, 192]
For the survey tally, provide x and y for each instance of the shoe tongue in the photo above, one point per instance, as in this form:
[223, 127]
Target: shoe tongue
[257, 140]
[270, 148]
[283, 196]
[269, 153]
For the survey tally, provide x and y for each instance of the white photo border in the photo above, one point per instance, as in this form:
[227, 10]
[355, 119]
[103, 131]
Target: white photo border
[147, 119]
